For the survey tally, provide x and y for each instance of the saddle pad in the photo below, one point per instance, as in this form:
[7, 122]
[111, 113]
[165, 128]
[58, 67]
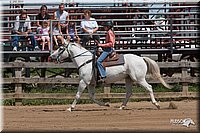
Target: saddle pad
[120, 61]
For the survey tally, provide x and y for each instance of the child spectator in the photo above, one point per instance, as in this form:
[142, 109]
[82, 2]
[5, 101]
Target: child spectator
[57, 33]
[72, 33]
[44, 30]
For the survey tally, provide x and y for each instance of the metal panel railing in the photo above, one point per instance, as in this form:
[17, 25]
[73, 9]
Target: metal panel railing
[130, 25]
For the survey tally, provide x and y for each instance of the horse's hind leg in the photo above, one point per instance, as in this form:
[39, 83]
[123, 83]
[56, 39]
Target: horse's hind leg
[129, 84]
[92, 96]
[148, 87]
[81, 88]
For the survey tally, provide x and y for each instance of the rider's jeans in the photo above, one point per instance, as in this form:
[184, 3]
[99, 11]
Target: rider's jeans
[106, 52]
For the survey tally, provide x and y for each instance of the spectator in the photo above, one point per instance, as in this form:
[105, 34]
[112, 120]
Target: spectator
[72, 33]
[43, 15]
[22, 27]
[44, 30]
[22, 12]
[160, 24]
[63, 17]
[57, 33]
[89, 27]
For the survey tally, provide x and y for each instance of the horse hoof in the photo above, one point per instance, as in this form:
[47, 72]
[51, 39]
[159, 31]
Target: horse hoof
[157, 105]
[107, 104]
[122, 107]
[69, 109]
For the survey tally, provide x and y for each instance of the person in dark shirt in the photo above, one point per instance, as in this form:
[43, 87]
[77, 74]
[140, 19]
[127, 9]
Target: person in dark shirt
[43, 15]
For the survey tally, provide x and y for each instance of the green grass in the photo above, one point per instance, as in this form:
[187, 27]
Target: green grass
[57, 88]
[194, 88]
[37, 102]
[139, 89]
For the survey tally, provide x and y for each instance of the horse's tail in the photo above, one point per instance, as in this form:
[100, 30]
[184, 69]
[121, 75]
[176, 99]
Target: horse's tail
[154, 70]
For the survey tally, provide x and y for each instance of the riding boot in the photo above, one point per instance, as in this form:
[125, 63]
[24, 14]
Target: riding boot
[102, 80]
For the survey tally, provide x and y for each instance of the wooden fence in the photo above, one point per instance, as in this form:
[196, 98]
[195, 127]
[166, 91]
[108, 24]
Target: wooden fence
[185, 79]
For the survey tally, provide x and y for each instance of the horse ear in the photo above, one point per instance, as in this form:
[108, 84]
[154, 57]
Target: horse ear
[66, 43]
[73, 44]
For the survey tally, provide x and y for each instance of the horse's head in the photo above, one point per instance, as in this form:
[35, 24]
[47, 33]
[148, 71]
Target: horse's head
[60, 54]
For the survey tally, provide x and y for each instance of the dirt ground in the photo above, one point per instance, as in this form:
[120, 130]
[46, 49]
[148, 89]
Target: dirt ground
[138, 116]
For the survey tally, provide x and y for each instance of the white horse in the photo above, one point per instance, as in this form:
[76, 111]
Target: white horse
[134, 69]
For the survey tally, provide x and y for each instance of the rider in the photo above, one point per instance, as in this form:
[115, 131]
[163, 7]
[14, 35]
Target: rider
[107, 48]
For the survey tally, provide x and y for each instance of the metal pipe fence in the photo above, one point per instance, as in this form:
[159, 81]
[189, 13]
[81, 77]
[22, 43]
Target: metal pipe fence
[138, 26]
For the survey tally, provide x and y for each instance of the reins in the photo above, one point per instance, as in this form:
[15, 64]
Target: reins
[81, 54]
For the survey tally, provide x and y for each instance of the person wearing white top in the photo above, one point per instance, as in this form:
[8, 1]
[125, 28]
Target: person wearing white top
[17, 20]
[62, 16]
[89, 27]
[22, 30]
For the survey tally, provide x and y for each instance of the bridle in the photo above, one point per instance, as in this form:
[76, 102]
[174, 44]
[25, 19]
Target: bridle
[67, 48]
[59, 54]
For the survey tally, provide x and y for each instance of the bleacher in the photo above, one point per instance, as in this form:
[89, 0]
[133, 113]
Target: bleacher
[134, 25]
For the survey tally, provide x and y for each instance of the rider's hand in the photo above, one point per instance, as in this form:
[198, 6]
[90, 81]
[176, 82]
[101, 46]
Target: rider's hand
[96, 42]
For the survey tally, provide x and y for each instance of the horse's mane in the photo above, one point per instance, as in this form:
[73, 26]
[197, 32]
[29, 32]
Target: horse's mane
[79, 46]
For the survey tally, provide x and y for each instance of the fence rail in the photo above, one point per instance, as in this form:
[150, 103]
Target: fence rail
[132, 23]
[184, 78]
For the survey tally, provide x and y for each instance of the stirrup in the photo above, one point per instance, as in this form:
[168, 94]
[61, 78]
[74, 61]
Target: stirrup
[102, 80]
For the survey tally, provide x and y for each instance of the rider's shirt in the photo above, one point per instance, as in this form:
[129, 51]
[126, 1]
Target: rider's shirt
[110, 40]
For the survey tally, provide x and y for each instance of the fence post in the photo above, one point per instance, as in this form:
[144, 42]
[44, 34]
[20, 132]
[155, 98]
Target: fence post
[106, 91]
[51, 36]
[184, 84]
[18, 87]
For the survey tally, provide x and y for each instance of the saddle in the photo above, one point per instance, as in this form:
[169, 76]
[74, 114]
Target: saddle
[113, 59]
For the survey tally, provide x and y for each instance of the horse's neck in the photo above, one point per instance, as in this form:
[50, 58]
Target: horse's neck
[76, 50]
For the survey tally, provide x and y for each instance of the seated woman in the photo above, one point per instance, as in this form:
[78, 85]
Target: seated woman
[89, 27]
[43, 15]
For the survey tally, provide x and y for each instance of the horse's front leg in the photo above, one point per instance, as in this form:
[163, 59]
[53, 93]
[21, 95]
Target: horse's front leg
[92, 96]
[81, 88]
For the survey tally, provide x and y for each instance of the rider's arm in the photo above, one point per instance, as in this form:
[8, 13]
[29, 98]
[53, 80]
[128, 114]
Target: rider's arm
[110, 40]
